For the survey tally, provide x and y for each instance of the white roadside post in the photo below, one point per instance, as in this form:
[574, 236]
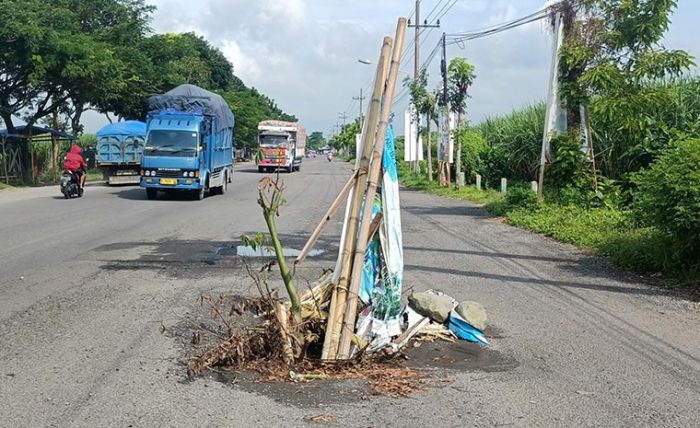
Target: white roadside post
[504, 185]
[478, 182]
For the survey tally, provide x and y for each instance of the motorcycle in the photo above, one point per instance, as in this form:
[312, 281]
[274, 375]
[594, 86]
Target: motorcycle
[330, 157]
[70, 185]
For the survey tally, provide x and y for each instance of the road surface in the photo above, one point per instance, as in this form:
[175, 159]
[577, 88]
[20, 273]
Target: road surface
[92, 290]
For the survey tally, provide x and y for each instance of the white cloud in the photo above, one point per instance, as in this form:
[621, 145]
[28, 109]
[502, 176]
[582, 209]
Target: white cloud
[303, 53]
[246, 67]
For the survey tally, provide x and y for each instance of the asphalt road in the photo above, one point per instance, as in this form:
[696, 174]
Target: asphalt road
[92, 291]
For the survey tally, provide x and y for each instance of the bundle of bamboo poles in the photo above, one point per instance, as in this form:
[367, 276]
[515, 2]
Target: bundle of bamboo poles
[362, 186]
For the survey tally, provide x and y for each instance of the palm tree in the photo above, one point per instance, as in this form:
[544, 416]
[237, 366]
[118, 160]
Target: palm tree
[460, 74]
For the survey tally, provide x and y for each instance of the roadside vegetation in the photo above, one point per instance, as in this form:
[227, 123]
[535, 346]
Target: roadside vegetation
[80, 55]
[634, 197]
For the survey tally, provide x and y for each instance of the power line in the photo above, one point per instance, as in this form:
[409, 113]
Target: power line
[433, 9]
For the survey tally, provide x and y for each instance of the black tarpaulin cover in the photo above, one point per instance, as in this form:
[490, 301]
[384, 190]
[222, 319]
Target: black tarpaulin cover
[190, 98]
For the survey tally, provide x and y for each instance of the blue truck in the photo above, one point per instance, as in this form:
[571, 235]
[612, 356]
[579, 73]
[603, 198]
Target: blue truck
[118, 151]
[189, 143]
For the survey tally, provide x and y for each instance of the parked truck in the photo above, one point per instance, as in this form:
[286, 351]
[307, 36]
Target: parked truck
[118, 151]
[189, 143]
[282, 145]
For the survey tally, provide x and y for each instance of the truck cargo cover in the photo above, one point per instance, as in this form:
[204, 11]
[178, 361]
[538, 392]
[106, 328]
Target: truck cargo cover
[189, 98]
[129, 128]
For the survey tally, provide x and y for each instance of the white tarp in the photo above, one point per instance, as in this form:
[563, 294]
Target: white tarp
[446, 122]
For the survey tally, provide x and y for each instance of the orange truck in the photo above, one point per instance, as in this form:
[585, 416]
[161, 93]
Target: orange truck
[282, 145]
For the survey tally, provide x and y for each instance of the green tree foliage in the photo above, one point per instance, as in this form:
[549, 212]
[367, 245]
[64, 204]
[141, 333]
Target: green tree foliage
[460, 75]
[316, 140]
[346, 140]
[474, 148]
[609, 57]
[64, 56]
[77, 54]
[669, 195]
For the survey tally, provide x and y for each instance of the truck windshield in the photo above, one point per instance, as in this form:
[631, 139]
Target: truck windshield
[272, 140]
[171, 143]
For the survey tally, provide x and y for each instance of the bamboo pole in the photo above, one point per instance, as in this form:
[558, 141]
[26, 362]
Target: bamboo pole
[339, 296]
[326, 218]
[374, 177]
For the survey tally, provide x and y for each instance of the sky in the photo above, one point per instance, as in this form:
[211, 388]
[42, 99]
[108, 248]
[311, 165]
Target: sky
[304, 53]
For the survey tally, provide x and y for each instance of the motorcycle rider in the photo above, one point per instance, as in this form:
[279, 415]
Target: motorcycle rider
[75, 163]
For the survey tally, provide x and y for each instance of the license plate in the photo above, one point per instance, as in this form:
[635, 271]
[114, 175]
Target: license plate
[170, 181]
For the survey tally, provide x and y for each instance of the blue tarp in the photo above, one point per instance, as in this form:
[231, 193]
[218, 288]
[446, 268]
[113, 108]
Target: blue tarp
[128, 128]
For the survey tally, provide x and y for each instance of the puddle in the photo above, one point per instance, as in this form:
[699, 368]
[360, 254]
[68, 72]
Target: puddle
[246, 251]
[458, 356]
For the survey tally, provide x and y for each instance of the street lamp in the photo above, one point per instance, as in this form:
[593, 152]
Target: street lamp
[368, 62]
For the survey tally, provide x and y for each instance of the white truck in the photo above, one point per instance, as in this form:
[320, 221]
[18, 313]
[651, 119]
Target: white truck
[282, 145]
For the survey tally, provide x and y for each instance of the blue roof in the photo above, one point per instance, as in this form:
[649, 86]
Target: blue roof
[130, 127]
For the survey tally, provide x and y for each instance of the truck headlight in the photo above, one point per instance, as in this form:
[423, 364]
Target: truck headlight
[191, 173]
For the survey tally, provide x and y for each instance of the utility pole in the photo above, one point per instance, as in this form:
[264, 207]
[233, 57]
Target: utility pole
[443, 70]
[360, 98]
[342, 116]
[416, 70]
[444, 165]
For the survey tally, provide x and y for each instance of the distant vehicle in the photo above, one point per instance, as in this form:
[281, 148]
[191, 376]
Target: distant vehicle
[189, 143]
[282, 145]
[329, 156]
[118, 151]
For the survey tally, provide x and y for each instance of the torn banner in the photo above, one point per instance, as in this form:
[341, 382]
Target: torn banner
[383, 269]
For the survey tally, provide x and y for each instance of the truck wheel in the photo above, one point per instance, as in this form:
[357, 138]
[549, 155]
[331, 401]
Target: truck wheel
[151, 193]
[199, 194]
[261, 169]
[224, 185]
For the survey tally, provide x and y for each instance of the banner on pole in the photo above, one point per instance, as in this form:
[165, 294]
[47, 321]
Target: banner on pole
[412, 152]
[446, 122]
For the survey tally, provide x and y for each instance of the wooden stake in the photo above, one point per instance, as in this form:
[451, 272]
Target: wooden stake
[374, 177]
[326, 218]
[339, 296]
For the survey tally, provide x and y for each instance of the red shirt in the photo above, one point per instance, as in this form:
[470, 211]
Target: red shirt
[74, 161]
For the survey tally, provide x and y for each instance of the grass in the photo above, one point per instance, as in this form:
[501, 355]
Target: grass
[611, 232]
[94, 175]
[466, 193]
[5, 186]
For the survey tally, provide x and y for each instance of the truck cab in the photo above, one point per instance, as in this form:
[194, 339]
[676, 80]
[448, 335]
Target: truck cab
[281, 145]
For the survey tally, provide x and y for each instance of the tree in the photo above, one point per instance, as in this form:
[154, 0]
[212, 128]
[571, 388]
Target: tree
[460, 75]
[346, 139]
[65, 57]
[316, 140]
[608, 58]
[418, 93]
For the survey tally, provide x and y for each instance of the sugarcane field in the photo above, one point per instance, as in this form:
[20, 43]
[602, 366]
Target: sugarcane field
[302, 213]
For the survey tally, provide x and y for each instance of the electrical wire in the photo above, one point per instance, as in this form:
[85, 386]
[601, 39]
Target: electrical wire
[433, 10]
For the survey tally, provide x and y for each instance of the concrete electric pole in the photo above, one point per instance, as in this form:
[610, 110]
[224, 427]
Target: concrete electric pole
[416, 69]
[360, 98]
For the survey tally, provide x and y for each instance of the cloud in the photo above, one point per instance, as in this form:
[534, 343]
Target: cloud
[246, 67]
[303, 53]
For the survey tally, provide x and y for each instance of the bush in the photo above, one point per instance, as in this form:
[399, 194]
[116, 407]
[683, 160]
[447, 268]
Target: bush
[668, 196]
[473, 148]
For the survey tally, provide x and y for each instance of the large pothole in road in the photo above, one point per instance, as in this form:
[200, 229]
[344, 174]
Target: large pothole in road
[198, 258]
[438, 361]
